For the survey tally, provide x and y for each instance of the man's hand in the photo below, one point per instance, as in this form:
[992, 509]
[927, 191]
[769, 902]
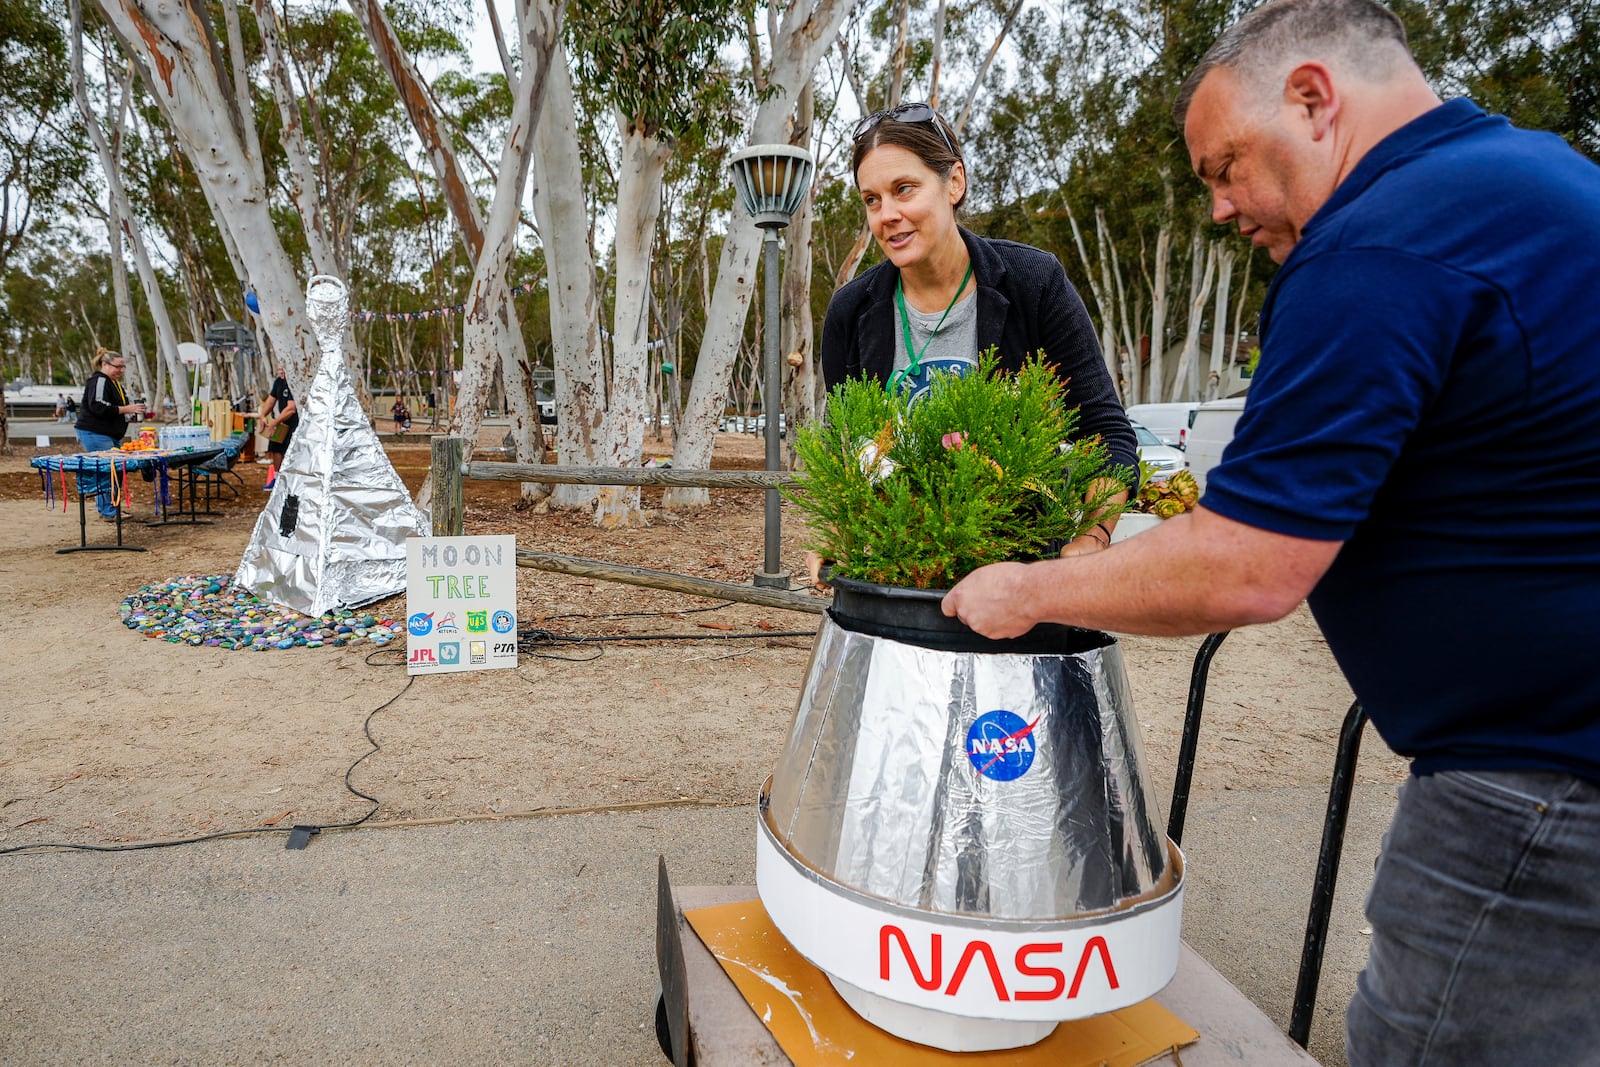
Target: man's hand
[992, 600]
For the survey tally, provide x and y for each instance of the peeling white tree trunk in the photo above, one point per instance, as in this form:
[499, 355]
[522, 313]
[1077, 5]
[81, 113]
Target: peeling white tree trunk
[125, 227]
[1100, 290]
[643, 161]
[801, 392]
[507, 345]
[1203, 265]
[1238, 308]
[490, 319]
[176, 51]
[1133, 372]
[1219, 322]
[1158, 315]
[300, 176]
[558, 205]
[122, 295]
[801, 39]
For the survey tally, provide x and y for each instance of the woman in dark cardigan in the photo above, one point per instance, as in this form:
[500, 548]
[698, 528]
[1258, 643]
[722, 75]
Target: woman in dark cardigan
[944, 294]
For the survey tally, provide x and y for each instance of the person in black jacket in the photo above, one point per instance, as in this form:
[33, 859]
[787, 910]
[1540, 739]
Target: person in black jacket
[287, 415]
[102, 422]
[944, 294]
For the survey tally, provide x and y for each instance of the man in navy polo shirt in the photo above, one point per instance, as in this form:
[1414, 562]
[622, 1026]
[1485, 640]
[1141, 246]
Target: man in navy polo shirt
[1415, 459]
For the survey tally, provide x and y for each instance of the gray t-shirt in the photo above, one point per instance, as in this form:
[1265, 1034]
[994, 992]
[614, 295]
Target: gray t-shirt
[953, 349]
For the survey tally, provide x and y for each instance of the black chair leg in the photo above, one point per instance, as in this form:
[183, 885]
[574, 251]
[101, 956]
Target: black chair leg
[1344, 773]
[1191, 735]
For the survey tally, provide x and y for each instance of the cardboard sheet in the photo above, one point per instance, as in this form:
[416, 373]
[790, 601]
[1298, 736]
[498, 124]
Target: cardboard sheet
[816, 1028]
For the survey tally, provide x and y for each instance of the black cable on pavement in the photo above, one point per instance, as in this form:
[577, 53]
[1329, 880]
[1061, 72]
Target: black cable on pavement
[298, 835]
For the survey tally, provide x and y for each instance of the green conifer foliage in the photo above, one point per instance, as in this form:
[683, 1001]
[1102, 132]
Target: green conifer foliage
[980, 469]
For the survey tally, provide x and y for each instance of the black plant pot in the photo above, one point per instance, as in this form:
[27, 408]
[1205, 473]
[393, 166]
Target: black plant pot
[915, 617]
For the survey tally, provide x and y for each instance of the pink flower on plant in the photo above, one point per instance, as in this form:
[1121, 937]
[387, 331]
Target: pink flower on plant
[954, 439]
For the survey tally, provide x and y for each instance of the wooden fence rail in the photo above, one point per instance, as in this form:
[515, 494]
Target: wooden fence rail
[450, 468]
[664, 476]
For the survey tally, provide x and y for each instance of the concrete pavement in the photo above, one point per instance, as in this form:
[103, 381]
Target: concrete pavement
[524, 941]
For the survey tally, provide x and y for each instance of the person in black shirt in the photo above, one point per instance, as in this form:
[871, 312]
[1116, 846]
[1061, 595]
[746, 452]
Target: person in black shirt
[287, 416]
[102, 422]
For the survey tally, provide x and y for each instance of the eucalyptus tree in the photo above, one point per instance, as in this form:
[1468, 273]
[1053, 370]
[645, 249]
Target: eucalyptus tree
[1089, 139]
[174, 46]
[490, 317]
[655, 67]
[1535, 61]
[55, 310]
[123, 226]
[491, 331]
[42, 153]
[797, 36]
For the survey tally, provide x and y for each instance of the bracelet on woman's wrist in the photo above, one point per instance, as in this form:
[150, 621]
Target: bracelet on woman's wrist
[1105, 541]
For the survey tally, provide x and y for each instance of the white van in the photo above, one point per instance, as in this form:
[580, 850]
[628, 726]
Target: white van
[1210, 433]
[1169, 422]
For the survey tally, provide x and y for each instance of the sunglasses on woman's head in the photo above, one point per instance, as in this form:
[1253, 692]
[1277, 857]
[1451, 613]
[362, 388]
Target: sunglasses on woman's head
[908, 113]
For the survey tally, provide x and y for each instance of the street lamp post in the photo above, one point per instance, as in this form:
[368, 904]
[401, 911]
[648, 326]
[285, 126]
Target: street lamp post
[772, 180]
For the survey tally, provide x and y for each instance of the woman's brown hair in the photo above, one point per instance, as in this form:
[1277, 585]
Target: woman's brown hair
[922, 139]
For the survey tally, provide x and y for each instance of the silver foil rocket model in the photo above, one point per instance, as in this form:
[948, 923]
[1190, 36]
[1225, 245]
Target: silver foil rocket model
[333, 534]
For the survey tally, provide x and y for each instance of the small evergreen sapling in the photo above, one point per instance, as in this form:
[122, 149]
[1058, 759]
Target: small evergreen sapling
[980, 469]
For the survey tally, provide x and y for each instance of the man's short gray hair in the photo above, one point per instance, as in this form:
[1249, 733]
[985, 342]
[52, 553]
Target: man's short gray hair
[1364, 33]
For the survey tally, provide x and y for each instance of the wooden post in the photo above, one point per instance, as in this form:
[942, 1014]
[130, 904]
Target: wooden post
[449, 516]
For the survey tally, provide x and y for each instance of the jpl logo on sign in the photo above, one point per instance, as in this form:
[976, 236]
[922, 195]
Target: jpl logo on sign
[421, 657]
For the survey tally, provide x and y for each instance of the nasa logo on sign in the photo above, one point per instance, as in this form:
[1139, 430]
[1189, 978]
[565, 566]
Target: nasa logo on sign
[1001, 746]
[420, 624]
[503, 622]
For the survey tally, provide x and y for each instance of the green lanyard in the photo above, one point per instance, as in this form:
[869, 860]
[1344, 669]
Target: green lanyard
[915, 358]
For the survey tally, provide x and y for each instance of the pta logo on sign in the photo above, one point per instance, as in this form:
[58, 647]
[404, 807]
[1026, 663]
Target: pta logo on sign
[1032, 961]
[422, 657]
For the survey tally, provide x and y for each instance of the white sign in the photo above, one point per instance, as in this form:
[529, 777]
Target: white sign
[461, 603]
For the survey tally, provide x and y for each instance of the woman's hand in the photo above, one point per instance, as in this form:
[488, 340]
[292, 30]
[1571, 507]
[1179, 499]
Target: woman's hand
[1085, 545]
[814, 569]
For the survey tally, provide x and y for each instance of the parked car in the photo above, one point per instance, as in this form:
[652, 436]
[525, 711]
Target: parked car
[1167, 421]
[1209, 435]
[1163, 459]
[760, 426]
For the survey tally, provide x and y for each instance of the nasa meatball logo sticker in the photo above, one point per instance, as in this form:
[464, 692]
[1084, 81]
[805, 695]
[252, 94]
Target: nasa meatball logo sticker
[1001, 745]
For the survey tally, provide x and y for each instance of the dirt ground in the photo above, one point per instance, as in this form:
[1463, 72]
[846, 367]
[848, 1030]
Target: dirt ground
[636, 696]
